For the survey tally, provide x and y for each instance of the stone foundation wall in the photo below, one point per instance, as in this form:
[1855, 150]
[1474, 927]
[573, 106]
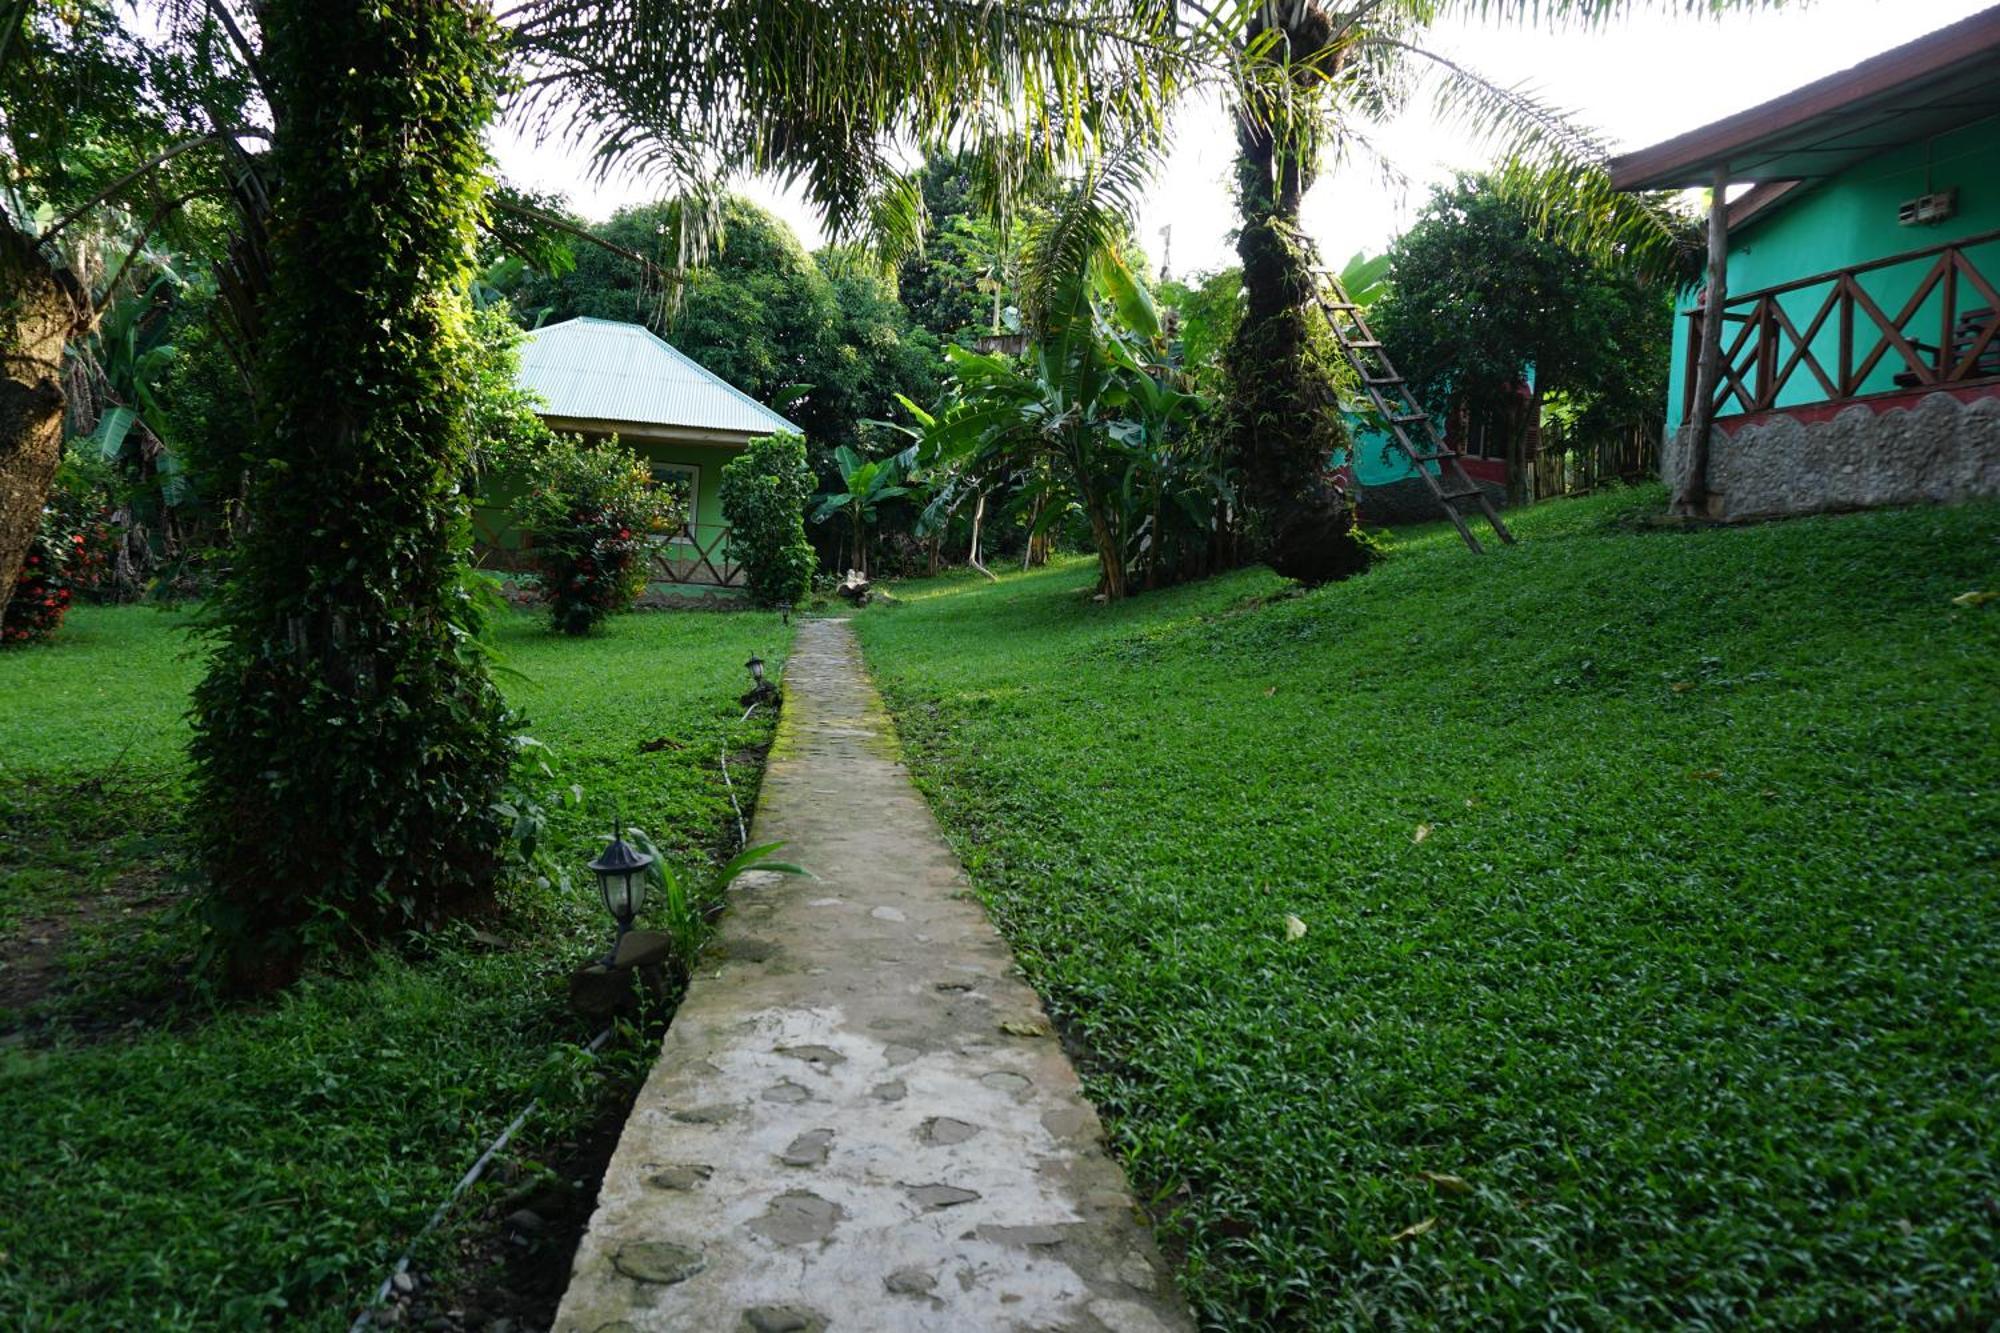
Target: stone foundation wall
[685, 597]
[1940, 451]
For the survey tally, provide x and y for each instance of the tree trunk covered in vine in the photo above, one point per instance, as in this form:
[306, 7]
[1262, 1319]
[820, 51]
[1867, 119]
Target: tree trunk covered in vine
[1282, 420]
[37, 318]
[349, 746]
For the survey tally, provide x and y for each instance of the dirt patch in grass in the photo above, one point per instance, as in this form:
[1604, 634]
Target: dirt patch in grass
[39, 965]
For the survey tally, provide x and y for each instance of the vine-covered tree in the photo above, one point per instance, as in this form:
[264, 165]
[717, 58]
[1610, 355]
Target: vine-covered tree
[1281, 415]
[348, 744]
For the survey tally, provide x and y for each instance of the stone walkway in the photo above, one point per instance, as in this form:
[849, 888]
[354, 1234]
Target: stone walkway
[860, 1120]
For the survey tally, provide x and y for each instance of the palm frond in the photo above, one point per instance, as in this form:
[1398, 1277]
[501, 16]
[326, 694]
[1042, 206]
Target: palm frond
[1091, 218]
[1554, 166]
[834, 95]
[1573, 14]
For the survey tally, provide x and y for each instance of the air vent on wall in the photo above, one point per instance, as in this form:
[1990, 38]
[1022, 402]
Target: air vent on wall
[1928, 208]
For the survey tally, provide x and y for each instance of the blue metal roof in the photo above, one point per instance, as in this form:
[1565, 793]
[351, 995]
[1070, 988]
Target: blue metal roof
[608, 370]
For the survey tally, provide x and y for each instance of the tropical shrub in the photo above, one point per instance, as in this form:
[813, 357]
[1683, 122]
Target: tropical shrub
[1093, 415]
[764, 493]
[42, 592]
[589, 512]
[83, 501]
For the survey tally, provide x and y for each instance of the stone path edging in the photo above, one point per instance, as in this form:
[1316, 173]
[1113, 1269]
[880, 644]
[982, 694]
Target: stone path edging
[860, 1119]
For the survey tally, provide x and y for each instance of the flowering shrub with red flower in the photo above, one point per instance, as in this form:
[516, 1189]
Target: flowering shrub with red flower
[80, 507]
[589, 512]
[42, 593]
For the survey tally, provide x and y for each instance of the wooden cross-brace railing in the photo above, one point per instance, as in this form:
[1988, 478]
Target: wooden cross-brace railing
[1769, 346]
[699, 554]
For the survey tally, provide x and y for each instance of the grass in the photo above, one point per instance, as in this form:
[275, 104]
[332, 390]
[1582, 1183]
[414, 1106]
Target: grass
[228, 1168]
[1648, 884]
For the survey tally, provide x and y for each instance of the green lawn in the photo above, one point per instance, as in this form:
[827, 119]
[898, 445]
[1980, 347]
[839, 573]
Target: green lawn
[1651, 947]
[217, 1169]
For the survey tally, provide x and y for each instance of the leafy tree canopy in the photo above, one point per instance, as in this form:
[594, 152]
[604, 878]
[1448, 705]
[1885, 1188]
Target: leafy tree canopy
[950, 288]
[1483, 299]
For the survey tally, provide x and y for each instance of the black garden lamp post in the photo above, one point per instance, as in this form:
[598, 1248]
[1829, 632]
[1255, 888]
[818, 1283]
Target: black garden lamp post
[621, 883]
[756, 665]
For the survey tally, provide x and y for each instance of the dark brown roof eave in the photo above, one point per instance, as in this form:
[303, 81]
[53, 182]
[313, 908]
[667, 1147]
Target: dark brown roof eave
[1692, 158]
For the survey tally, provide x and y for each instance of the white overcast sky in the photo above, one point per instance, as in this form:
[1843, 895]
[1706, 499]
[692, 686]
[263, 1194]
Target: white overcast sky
[1642, 80]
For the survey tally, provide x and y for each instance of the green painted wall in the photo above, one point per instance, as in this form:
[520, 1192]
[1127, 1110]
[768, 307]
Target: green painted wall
[707, 460]
[1377, 462]
[1851, 219]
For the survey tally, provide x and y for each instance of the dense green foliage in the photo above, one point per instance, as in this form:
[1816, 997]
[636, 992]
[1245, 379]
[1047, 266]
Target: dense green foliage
[348, 744]
[1093, 416]
[1648, 904]
[961, 281]
[1482, 302]
[1205, 313]
[255, 1166]
[764, 494]
[207, 417]
[161, 431]
[822, 339]
[83, 101]
[591, 512]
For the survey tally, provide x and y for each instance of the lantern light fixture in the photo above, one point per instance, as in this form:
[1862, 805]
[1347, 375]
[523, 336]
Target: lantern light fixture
[621, 872]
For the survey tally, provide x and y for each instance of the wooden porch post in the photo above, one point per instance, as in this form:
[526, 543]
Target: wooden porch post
[1691, 487]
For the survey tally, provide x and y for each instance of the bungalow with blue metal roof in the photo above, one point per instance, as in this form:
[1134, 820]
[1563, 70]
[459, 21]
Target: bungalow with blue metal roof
[600, 378]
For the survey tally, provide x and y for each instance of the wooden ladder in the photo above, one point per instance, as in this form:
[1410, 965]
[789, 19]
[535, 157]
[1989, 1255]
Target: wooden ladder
[1455, 491]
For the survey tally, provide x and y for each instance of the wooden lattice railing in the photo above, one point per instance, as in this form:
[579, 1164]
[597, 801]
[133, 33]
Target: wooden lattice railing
[1772, 344]
[698, 554]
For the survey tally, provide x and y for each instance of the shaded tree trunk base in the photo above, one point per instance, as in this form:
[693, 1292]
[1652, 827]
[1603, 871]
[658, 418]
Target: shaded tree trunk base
[37, 317]
[1312, 538]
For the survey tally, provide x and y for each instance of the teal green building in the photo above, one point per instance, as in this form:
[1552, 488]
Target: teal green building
[1859, 346]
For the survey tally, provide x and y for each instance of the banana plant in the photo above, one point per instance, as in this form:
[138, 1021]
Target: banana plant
[865, 485]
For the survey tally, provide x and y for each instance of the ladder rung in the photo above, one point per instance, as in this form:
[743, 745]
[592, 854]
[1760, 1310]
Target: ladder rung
[1340, 305]
[1431, 458]
[1363, 342]
[1405, 418]
[1384, 379]
[1474, 493]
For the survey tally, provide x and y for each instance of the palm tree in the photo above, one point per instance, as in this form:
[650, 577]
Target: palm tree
[1315, 78]
[318, 820]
